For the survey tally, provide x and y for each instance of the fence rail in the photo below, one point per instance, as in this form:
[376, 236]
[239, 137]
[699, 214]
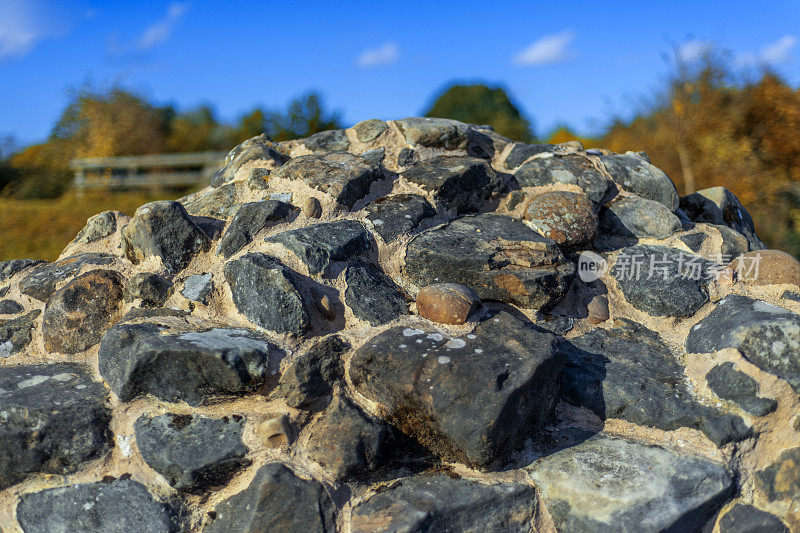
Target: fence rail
[144, 171]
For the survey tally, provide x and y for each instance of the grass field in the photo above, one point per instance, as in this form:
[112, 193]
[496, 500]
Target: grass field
[40, 229]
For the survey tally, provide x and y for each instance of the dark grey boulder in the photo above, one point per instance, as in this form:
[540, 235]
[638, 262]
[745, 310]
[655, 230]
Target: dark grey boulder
[54, 419]
[407, 157]
[694, 241]
[195, 453]
[198, 287]
[569, 169]
[470, 399]
[217, 203]
[498, 257]
[41, 282]
[439, 502]
[663, 281]
[118, 506]
[330, 140]
[397, 215]
[636, 217]
[149, 288]
[15, 333]
[375, 156]
[369, 130]
[276, 500]
[607, 484]
[345, 441]
[780, 481]
[98, 227]
[635, 174]
[718, 205]
[767, 335]
[457, 183]
[194, 366]
[164, 230]
[265, 291]
[249, 219]
[344, 176]
[318, 245]
[312, 375]
[372, 295]
[259, 148]
[434, 132]
[14, 266]
[522, 152]
[733, 244]
[733, 385]
[10, 307]
[629, 373]
[743, 518]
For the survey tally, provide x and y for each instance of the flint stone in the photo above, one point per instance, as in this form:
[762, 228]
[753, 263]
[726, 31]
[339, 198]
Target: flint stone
[718, 205]
[193, 452]
[629, 373]
[150, 289]
[398, 215]
[15, 333]
[345, 441]
[77, 315]
[41, 282]
[663, 281]
[259, 148]
[637, 217]
[731, 384]
[781, 480]
[276, 500]
[330, 140]
[498, 257]
[607, 484]
[438, 502]
[568, 218]
[318, 245]
[471, 400]
[457, 182]
[198, 287]
[54, 419]
[163, 229]
[258, 178]
[407, 157]
[733, 244]
[311, 207]
[694, 241]
[743, 518]
[369, 130]
[522, 152]
[636, 175]
[375, 156]
[344, 176]
[434, 132]
[447, 303]
[98, 227]
[119, 506]
[12, 267]
[313, 374]
[10, 307]
[216, 203]
[249, 219]
[372, 295]
[766, 335]
[569, 169]
[190, 366]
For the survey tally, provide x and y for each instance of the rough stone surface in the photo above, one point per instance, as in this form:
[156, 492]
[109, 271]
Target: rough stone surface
[447, 303]
[261, 148]
[636, 175]
[313, 374]
[194, 453]
[41, 282]
[731, 384]
[78, 314]
[372, 295]
[467, 400]
[781, 480]
[331, 140]
[149, 288]
[198, 287]
[767, 267]
[718, 205]
[217, 204]
[369, 130]
[439, 502]
[522, 152]
[611, 484]
[629, 216]
[276, 500]
[496, 256]
[14, 266]
[567, 218]
[394, 216]
[743, 518]
[54, 420]
[10, 307]
[568, 169]
[15, 333]
[456, 183]
[98, 227]
[434, 132]
[311, 207]
[249, 219]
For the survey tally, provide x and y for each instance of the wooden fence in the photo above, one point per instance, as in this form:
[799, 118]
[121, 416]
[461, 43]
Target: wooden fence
[144, 171]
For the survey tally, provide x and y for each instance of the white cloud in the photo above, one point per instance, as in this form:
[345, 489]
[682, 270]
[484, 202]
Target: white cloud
[548, 50]
[385, 54]
[160, 31]
[773, 53]
[693, 50]
[20, 29]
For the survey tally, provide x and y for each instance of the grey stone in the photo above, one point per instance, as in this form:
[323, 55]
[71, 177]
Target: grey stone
[569, 169]
[54, 420]
[150, 289]
[98, 227]
[372, 295]
[791, 295]
[198, 287]
[249, 219]
[15, 333]
[318, 245]
[369, 130]
[663, 281]
[733, 244]
[635, 174]
[10, 307]
[312, 375]
[438, 502]
[14, 266]
[375, 156]
[164, 230]
[194, 366]
[780, 481]
[276, 500]
[194, 453]
[330, 140]
[731, 384]
[471, 400]
[407, 157]
[311, 207]
[767, 335]
[397, 215]
[459, 183]
[607, 484]
[629, 373]
[41, 282]
[637, 217]
[259, 148]
[498, 257]
[522, 152]
[258, 178]
[718, 205]
[743, 518]
[216, 203]
[118, 506]
[434, 132]
[344, 176]
[694, 241]
[265, 291]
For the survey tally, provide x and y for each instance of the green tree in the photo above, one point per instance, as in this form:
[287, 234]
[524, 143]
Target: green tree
[305, 116]
[484, 105]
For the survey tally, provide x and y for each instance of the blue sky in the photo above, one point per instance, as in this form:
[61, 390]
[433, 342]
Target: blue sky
[573, 62]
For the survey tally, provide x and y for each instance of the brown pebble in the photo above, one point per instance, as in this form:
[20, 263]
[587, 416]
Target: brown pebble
[275, 432]
[566, 217]
[766, 267]
[311, 207]
[447, 303]
[598, 310]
